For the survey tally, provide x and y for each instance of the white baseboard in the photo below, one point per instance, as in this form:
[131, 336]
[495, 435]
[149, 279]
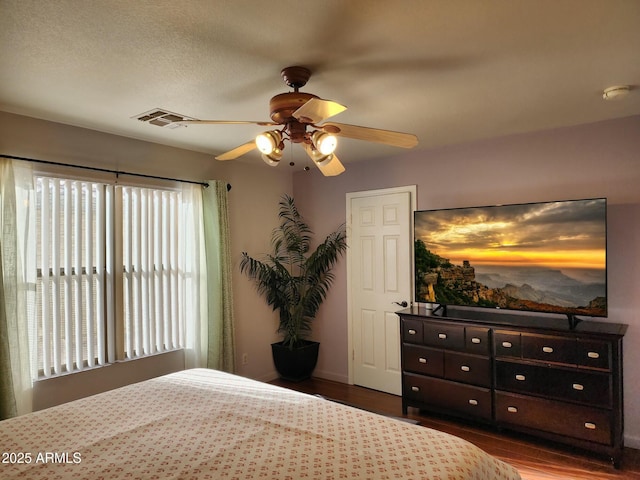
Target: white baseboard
[632, 442]
[335, 377]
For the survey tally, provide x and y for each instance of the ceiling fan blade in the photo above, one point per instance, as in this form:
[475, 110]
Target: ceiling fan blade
[316, 110]
[225, 122]
[388, 137]
[238, 151]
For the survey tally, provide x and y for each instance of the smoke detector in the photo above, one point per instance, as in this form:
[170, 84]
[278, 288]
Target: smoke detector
[615, 93]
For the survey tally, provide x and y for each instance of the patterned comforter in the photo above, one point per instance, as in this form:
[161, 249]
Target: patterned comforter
[205, 424]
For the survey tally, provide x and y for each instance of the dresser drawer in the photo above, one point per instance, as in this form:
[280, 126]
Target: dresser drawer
[594, 354]
[476, 340]
[507, 344]
[589, 388]
[423, 360]
[444, 336]
[412, 331]
[448, 397]
[472, 369]
[549, 348]
[584, 423]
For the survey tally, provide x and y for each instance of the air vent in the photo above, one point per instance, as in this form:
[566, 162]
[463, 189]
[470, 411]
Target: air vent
[162, 118]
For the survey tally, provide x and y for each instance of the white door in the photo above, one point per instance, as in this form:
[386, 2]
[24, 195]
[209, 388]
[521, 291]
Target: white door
[380, 265]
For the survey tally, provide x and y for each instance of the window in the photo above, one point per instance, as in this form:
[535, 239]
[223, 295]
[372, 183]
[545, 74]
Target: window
[110, 273]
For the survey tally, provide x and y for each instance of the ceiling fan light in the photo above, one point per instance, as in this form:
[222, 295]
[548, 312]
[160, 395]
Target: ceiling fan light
[324, 142]
[267, 142]
[264, 143]
[272, 159]
[317, 157]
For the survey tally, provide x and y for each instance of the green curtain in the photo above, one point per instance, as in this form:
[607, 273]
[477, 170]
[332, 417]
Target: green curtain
[7, 398]
[17, 287]
[7, 219]
[221, 336]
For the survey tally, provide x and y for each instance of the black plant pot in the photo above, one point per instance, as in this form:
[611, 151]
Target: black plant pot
[297, 364]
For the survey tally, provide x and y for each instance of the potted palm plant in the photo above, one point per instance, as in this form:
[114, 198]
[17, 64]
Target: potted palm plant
[295, 280]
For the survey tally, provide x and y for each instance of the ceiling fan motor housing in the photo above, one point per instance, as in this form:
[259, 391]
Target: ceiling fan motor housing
[283, 105]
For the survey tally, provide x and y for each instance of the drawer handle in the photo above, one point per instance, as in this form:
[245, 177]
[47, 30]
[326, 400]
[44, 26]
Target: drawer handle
[520, 378]
[577, 386]
[465, 368]
[512, 409]
[412, 331]
[507, 344]
[415, 389]
[547, 349]
[593, 355]
[422, 360]
[590, 426]
[473, 401]
[442, 336]
[476, 340]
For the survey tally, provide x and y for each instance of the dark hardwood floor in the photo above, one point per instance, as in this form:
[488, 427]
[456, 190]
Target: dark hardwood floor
[535, 459]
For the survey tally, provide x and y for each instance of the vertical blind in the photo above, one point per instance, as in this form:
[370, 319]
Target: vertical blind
[71, 274]
[152, 271]
[78, 259]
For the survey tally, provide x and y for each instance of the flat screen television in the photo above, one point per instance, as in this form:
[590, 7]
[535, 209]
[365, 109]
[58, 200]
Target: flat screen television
[543, 257]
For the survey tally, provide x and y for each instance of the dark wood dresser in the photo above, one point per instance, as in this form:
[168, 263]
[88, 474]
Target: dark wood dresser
[533, 374]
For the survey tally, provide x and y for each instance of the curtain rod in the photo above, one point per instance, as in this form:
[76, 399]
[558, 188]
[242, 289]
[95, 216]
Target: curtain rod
[106, 170]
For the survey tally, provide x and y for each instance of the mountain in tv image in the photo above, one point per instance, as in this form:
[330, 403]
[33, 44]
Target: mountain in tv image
[534, 288]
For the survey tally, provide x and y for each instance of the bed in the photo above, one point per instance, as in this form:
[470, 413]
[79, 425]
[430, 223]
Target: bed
[206, 424]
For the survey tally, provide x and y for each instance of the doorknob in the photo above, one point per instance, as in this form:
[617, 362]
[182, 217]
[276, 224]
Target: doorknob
[403, 304]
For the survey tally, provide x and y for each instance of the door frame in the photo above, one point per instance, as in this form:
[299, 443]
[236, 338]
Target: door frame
[412, 190]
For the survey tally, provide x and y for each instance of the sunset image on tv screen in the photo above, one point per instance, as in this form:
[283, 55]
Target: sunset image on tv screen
[546, 257]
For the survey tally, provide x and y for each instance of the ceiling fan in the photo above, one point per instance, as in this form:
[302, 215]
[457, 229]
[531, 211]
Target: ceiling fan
[297, 114]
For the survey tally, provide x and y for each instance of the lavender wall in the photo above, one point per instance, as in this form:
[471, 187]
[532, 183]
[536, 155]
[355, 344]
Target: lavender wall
[595, 160]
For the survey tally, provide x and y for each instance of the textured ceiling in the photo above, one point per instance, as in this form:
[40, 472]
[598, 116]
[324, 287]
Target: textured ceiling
[448, 71]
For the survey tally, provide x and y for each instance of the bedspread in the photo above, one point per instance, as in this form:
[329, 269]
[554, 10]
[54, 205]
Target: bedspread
[206, 424]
